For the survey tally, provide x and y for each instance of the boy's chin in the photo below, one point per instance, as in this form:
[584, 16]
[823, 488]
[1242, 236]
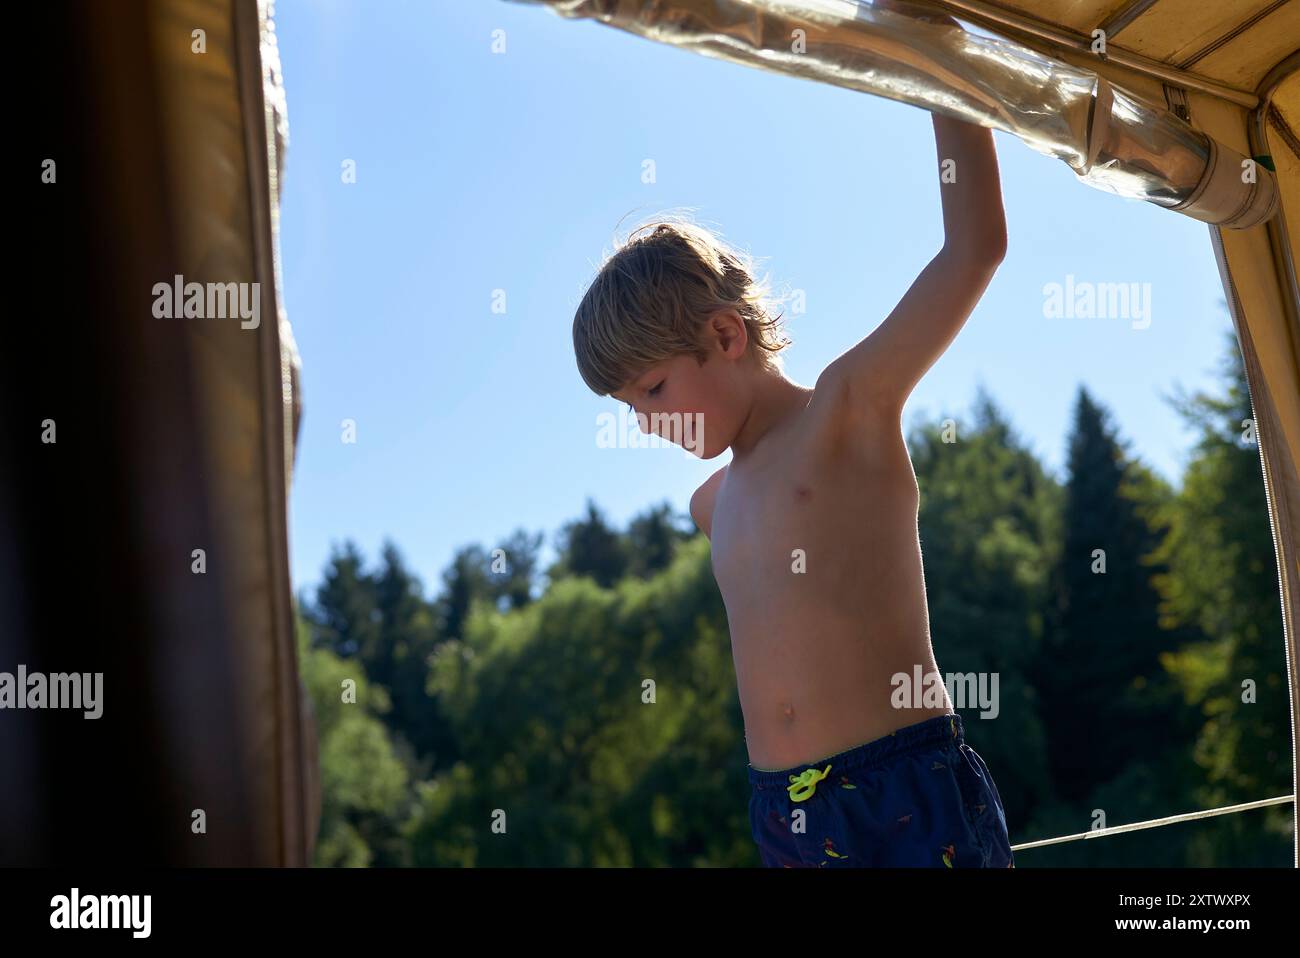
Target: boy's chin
[704, 454]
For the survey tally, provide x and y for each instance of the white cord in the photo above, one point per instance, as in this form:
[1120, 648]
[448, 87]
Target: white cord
[1155, 822]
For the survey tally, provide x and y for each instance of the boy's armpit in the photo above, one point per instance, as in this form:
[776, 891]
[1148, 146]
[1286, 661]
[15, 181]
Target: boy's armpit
[884, 368]
[843, 414]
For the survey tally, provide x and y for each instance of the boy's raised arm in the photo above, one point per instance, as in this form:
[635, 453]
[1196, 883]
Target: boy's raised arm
[881, 371]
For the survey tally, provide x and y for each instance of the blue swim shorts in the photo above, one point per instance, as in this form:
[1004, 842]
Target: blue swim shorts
[919, 797]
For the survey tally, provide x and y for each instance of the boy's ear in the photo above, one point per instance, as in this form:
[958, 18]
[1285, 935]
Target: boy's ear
[728, 331]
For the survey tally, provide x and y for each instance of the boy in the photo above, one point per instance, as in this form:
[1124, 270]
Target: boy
[813, 526]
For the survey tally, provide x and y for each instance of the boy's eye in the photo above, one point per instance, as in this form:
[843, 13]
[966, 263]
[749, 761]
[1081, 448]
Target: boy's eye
[654, 390]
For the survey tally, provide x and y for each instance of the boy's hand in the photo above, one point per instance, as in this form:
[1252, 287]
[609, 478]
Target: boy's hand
[915, 10]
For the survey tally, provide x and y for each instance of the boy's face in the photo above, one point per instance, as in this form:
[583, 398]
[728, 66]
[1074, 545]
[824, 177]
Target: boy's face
[698, 407]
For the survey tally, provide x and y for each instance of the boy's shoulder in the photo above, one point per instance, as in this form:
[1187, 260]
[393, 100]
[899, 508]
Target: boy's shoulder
[703, 498]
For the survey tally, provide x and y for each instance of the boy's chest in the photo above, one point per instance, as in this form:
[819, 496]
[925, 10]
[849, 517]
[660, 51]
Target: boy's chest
[796, 517]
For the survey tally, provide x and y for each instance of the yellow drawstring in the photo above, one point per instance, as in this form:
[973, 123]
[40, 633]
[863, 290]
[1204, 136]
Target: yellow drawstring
[807, 779]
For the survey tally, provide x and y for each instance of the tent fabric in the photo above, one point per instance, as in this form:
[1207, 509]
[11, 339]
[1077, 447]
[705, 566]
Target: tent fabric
[148, 543]
[224, 111]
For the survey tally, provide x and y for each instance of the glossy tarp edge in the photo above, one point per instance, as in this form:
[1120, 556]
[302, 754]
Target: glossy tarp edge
[1112, 139]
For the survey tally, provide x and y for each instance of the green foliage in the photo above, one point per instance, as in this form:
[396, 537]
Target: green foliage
[1223, 581]
[589, 547]
[1105, 640]
[551, 703]
[988, 524]
[363, 784]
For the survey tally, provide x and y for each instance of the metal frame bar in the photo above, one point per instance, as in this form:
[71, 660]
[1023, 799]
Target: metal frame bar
[999, 18]
[1122, 17]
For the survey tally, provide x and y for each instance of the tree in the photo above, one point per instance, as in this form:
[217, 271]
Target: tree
[589, 547]
[566, 748]
[345, 618]
[652, 540]
[988, 528]
[1222, 580]
[364, 798]
[464, 581]
[407, 640]
[513, 587]
[1101, 675]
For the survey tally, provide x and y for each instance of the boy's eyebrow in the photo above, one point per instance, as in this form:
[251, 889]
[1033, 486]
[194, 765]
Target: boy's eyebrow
[632, 384]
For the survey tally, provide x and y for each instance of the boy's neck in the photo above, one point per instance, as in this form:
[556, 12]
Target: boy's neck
[774, 400]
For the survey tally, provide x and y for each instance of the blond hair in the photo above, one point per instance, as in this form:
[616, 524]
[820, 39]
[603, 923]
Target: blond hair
[654, 294]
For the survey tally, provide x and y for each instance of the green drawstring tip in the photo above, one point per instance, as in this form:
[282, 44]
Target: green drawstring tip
[1265, 160]
[804, 784]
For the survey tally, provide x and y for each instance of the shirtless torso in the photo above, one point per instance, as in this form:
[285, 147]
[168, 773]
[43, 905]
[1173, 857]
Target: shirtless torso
[815, 650]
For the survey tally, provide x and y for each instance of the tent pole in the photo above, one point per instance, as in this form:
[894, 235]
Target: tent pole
[991, 15]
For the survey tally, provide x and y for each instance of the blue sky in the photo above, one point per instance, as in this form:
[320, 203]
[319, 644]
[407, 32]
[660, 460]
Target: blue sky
[478, 172]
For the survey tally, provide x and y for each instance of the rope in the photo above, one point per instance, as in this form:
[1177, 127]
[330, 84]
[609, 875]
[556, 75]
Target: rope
[1156, 822]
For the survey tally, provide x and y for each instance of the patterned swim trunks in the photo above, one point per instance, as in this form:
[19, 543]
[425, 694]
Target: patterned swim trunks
[919, 797]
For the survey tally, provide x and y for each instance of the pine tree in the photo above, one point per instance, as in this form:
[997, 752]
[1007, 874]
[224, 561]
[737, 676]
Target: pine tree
[408, 638]
[344, 617]
[464, 581]
[589, 547]
[516, 556]
[1100, 677]
[652, 540]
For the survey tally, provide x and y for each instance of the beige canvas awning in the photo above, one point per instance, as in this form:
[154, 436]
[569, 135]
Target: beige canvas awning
[226, 126]
[147, 542]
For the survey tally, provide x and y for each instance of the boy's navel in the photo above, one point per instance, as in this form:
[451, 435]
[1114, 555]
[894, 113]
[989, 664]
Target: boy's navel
[802, 493]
